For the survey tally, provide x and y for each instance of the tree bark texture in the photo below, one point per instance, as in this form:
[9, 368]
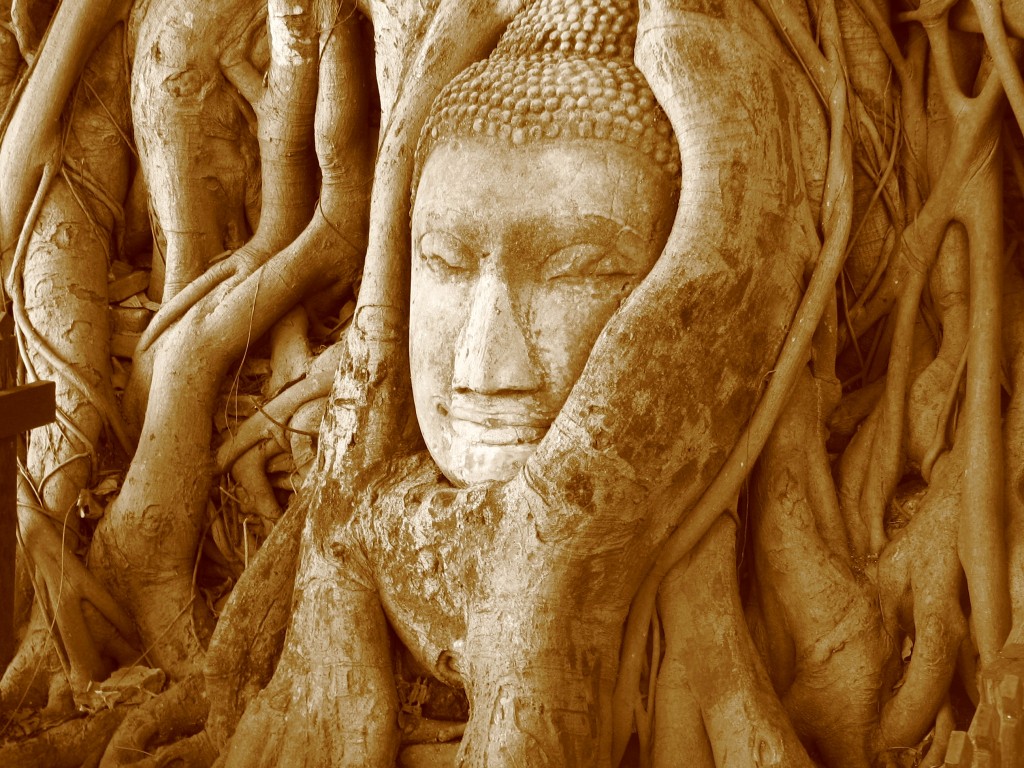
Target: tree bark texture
[777, 520]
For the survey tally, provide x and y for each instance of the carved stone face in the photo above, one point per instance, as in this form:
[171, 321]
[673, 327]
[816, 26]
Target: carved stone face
[520, 257]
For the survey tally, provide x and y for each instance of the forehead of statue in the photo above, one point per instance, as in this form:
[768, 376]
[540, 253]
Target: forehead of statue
[491, 184]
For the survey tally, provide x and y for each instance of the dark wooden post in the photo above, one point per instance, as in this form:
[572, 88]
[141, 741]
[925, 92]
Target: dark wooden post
[21, 409]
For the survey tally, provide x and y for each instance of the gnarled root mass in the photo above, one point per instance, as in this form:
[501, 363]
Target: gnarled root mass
[780, 520]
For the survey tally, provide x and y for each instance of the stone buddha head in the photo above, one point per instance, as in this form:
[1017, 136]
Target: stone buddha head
[548, 179]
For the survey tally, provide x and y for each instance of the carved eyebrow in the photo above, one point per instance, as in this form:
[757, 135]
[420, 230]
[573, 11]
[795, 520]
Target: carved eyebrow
[610, 225]
[443, 238]
[435, 219]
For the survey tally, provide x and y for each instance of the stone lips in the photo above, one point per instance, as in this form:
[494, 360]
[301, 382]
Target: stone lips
[560, 70]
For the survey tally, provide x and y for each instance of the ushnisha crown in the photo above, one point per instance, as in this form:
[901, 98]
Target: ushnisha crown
[562, 69]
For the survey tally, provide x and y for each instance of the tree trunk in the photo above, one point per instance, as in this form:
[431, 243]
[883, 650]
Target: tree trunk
[777, 517]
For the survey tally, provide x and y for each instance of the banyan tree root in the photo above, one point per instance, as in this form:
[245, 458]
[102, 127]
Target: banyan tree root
[792, 358]
[981, 543]
[283, 104]
[287, 171]
[176, 713]
[919, 578]
[151, 534]
[37, 676]
[819, 622]
[63, 270]
[63, 586]
[255, 493]
[247, 642]
[70, 745]
[356, 665]
[314, 384]
[290, 354]
[189, 131]
[934, 390]
[712, 680]
[970, 139]
[332, 692]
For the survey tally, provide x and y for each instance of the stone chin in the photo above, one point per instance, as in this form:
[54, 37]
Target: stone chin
[470, 463]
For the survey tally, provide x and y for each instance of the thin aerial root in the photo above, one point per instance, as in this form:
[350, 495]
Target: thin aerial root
[983, 550]
[938, 444]
[945, 722]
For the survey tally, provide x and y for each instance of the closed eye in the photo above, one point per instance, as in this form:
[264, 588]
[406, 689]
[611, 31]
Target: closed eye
[444, 252]
[588, 260]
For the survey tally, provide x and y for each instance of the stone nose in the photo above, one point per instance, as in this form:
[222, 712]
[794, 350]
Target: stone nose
[493, 354]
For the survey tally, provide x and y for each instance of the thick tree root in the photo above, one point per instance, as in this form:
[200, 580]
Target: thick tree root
[708, 642]
[155, 523]
[76, 630]
[177, 712]
[70, 745]
[820, 624]
[189, 131]
[332, 697]
[248, 640]
[36, 677]
[919, 579]
[255, 493]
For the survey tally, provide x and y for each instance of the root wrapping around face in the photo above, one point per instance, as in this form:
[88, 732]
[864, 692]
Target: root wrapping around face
[829, 350]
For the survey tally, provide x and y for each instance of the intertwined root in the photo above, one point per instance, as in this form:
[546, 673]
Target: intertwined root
[713, 697]
[820, 624]
[176, 714]
[827, 623]
[58, 286]
[332, 697]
